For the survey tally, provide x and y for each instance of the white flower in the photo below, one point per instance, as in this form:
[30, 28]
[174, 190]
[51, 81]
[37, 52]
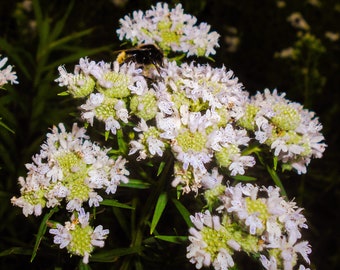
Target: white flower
[112, 125]
[149, 142]
[94, 199]
[6, 74]
[62, 236]
[89, 107]
[270, 264]
[98, 236]
[288, 252]
[240, 163]
[223, 260]
[91, 68]
[210, 180]
[254, 223]
[156, 146]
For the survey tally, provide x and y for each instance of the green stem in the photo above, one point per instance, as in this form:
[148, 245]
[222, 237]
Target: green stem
[276, 180]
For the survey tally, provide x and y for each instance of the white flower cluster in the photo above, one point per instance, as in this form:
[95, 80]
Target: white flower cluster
[78, 236]
[253, 220]
[203, 117]
[201, 113]
[106, 88]
[170, 29]
[198, 106]
[191, 110]
[6, 74]
[71, 167]
[291, 132]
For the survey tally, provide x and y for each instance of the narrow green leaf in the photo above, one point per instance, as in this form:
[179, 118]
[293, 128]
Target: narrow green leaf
[2, 124]
[114, 254]
[136, 183]
[122, 145]
[172, 238]
[43, 50]
[183, 211]
[115, 203]
[15, 250]
[106, 134]
[41, 231]
[37, 12]
[253, 148]
[16, 56]
[277, 181]
[159, 209]
[138, 264]
[83, 266]
[161, 167]
[275, 162]
[59, 26]
[66, 39]
[244, 178]
[64, 93]
[74, 55]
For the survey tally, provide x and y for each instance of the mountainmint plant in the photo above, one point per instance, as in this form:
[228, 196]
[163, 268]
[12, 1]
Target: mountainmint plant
[170, 132]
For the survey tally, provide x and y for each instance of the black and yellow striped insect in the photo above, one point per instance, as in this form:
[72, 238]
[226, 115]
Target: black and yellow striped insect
[144, 55]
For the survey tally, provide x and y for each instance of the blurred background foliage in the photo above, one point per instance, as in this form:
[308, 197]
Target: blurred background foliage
[293, 46]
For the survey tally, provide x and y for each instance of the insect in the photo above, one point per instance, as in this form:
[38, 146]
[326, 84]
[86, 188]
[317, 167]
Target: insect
[145, 54]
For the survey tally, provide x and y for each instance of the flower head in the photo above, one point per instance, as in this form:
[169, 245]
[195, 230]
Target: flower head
[71, 167]
[292, 133]
[214, 242]
[170, 29]
[106, 87]
[252, 219]
[78, 236]
[198, 106]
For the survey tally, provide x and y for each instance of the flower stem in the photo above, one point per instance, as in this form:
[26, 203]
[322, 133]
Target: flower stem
[276, 180]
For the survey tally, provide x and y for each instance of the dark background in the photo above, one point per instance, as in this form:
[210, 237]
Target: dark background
[262, 30]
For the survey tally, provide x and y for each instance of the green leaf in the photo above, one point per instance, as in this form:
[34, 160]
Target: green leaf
[161, 167]
[114, 254]
[70, 37]
[83, 266]
[15, 250]
[106, 134]
[277, 181]
[115, 203]
[59, 26]
[275, 162]
[13, 54]
[160, 206]
[2, 124]
[253, 148]
[64, 93]
[74, 55]
[244, 178]
[172, 238]
[123, 147]
[135, 183]
[41, 231]
[183, 211]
